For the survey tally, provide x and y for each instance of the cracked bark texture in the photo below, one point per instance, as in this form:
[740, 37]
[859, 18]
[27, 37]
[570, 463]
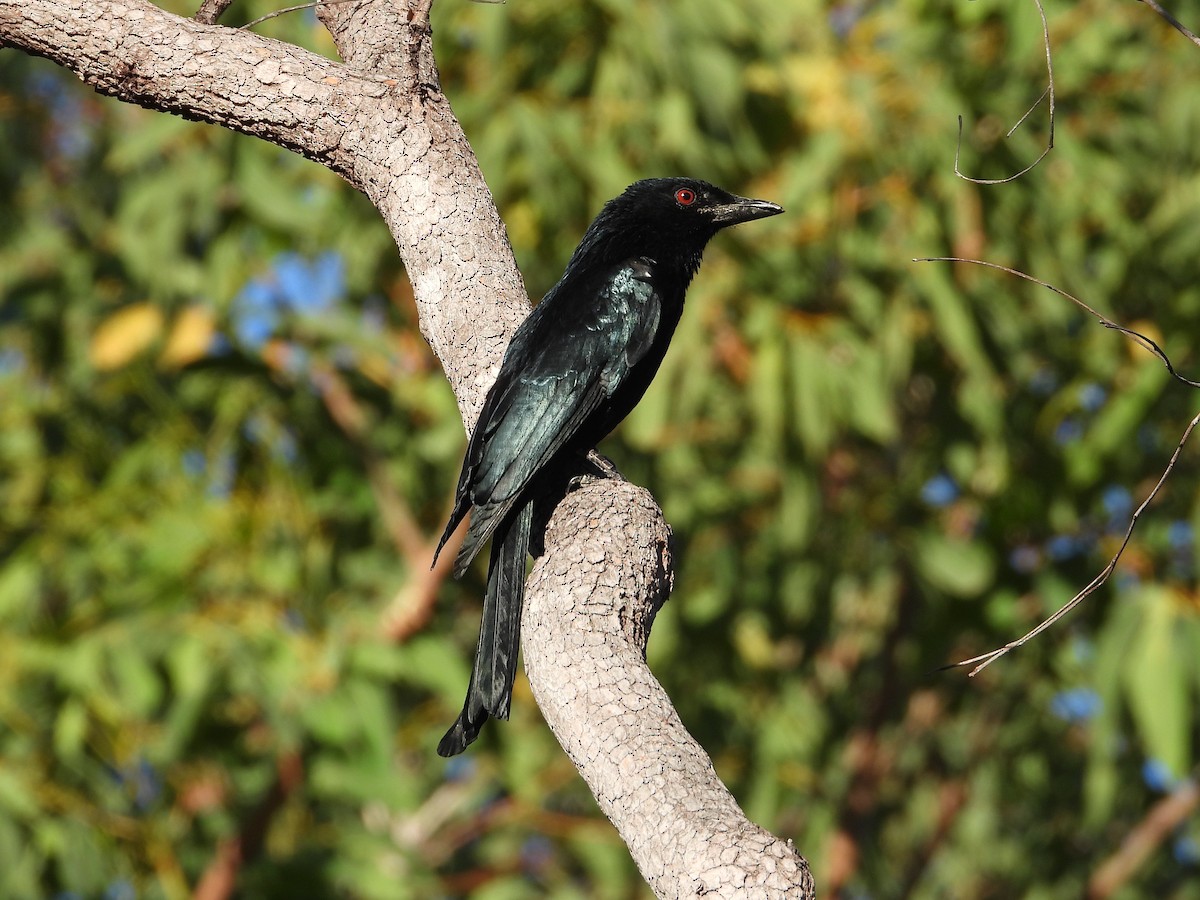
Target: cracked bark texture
[380, 120]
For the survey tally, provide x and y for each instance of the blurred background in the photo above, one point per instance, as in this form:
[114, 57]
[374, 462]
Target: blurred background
[225, 449]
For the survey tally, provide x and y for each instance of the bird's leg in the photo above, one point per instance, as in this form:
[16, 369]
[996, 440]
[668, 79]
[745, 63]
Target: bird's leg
[603, 464]
[602, 468]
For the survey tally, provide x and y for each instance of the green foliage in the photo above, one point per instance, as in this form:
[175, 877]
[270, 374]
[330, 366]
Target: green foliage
[213, 397]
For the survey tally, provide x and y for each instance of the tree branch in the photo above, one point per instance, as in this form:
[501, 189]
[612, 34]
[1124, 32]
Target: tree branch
[1047, 93]
[1174, 22]
[1164, 817]
[381, 121]
[220, 879]
[132, 50]
[589, 607]
[390, 133]
[984, 660]
[211, 10]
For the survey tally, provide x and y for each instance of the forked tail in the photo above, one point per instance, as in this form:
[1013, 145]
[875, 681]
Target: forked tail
[490, 690]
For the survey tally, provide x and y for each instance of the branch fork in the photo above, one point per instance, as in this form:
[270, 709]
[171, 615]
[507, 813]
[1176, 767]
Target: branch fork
[380, 120]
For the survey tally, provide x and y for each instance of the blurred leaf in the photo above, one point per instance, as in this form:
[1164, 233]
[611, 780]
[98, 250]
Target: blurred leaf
[192, 563]
[70, 730]
[125, 334]
[1155, 673]
[190, 337]
[15, 796]
[960, 568]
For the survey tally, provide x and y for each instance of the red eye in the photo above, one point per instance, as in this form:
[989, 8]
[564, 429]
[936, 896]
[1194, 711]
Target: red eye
[685, 197]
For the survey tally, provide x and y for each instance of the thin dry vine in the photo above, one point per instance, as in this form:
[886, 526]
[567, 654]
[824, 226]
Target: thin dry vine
[1047, 93]
[984, 660]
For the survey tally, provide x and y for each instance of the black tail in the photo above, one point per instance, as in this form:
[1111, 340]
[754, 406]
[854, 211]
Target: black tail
[490, 690]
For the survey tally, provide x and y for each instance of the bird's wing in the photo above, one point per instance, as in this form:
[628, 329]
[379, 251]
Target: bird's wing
[572, 354]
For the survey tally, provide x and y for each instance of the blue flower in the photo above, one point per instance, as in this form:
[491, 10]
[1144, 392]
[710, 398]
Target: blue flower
[1068, 431]
[460, 768]
[1117, 501]
[1076, 705]
[940, 490]
[310, 287]
[1157, 776]
[293, 285]
[1180, 534]
[120, 890]
[1092, 396]
[1064, 546]
[1186, 850]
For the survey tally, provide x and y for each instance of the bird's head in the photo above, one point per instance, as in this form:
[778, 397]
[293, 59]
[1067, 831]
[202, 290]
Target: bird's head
[670, 218]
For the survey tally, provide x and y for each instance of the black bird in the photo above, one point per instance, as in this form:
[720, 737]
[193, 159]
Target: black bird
[574, 369]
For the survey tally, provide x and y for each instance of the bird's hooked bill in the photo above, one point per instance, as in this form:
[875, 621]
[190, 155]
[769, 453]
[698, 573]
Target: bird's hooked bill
[744, 209]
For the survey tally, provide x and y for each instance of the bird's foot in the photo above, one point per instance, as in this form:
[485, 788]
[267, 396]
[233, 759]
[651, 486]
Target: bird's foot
[603, 469]
[603, 464]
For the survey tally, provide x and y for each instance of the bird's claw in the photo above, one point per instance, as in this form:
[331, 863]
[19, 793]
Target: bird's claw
[603, 464]
[604, 470]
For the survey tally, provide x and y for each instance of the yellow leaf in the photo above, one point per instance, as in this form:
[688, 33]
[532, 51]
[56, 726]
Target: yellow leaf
[125, 334]
[191, 336]
[376, 367]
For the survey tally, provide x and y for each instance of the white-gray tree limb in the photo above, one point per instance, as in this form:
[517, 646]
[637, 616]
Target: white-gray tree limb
[380, 120]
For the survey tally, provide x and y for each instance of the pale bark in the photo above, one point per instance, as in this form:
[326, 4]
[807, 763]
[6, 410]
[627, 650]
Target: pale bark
[588, 613]
[381, 121]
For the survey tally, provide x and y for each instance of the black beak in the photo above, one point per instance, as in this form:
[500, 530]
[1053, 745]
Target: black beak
[743, 209]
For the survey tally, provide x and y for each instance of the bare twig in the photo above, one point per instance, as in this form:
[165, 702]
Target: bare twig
[869, 762]
[986, 659]
[219, 881]
[1175, 23]
[1163, 818]
[1047, 93]
[346, 412]
[607, 547]
[211, 10]
[411, 608]
[951, 798]
[289, 9]
[1137, 337]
